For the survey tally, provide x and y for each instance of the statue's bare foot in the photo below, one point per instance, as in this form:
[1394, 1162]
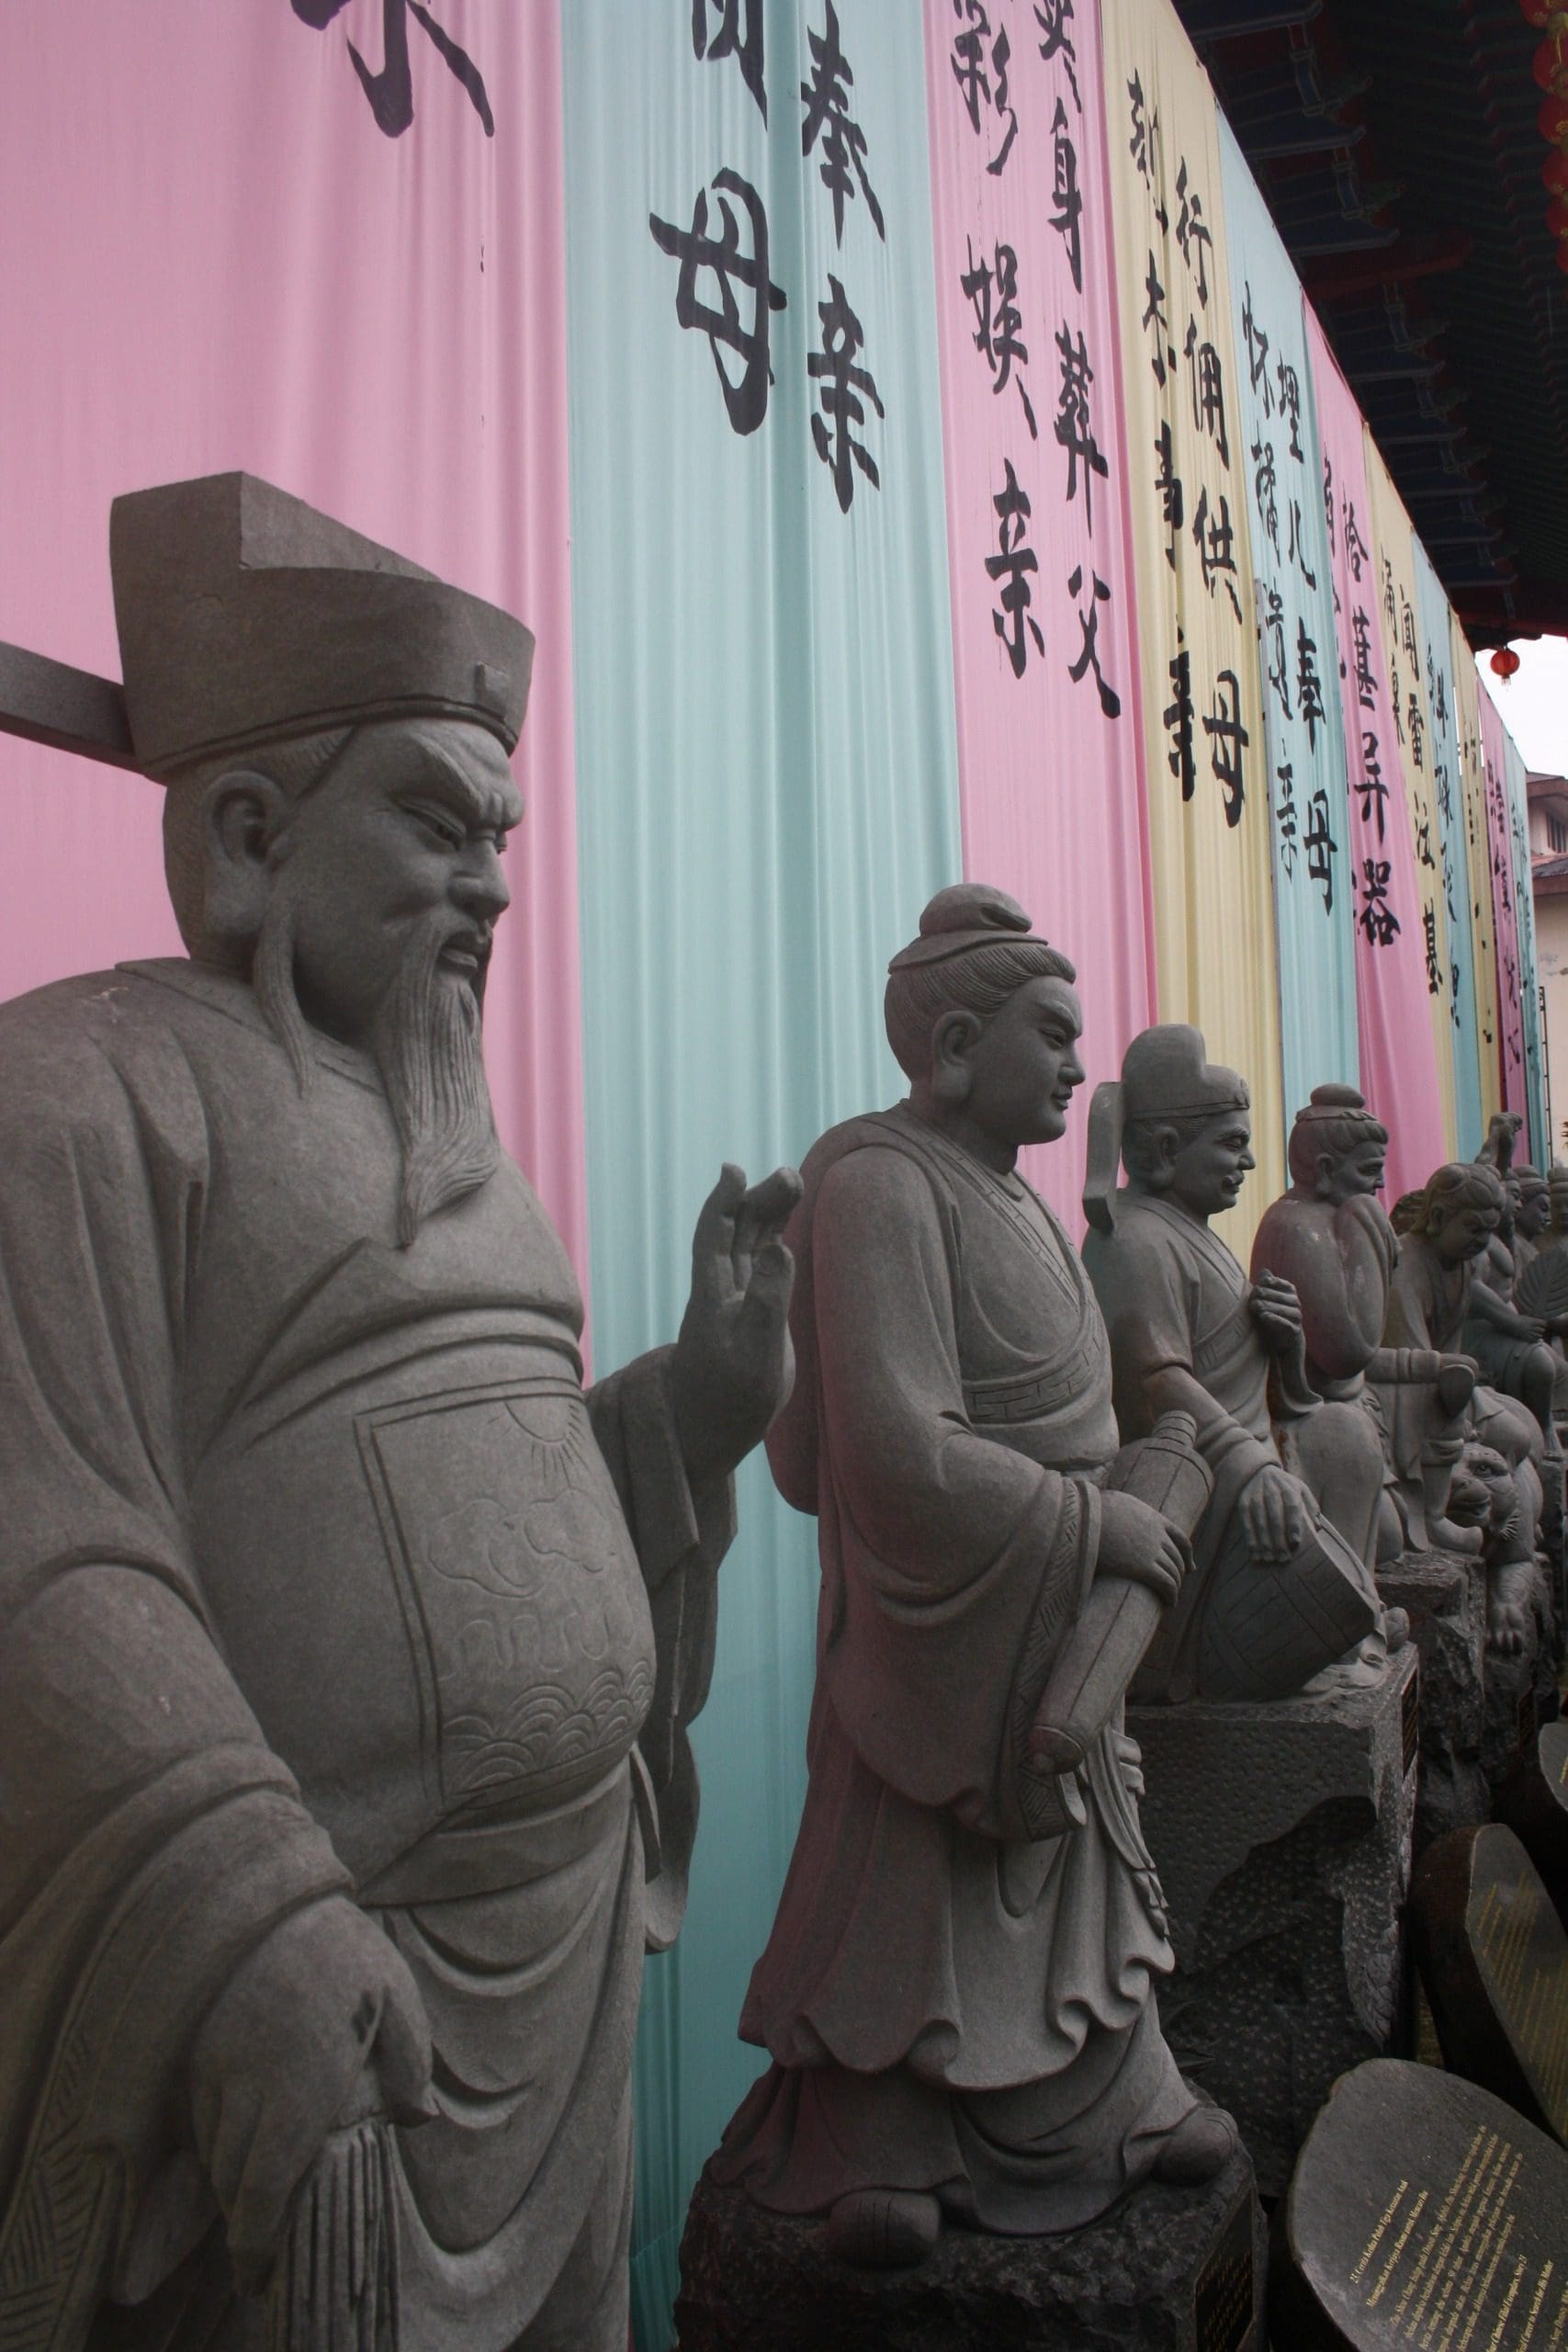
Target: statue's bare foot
[884, 2228]
[1201, 2145]
[1395, 1629]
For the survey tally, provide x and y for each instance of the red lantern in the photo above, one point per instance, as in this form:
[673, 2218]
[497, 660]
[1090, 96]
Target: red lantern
[1549, 64]
[1553, 121]
[1504, 662]
[1536, 12]
[1554, 172]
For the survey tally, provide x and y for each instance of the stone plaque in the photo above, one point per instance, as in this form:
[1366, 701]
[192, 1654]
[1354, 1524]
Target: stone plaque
[1424, 2213]
[1494, 1958]
[1223, 2297]
[1410, 1721]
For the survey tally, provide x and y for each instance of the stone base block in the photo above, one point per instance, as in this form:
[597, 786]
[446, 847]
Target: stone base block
[1444, 1595]
[1282, 1837]
[1169, 2271]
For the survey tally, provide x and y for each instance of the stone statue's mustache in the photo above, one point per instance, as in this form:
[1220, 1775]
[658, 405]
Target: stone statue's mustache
[426, 1043]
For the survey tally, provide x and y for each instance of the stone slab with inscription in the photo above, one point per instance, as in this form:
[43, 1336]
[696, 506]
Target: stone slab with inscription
[1424, 2216]
[1494, 1960]
[1168, 2270]
[1533, 1802]
[1444, 1595]
[1282, 1832]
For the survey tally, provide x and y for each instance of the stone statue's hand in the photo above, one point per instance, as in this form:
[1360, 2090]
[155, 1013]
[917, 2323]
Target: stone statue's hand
[1135, 1542]
[320, 2025]
[733, 1363]
[1507, 1625]
[1277, 1311]
[1457, 1376]
[1276, 1511]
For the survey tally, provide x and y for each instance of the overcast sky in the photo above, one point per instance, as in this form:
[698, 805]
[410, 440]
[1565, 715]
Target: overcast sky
[1534, 701]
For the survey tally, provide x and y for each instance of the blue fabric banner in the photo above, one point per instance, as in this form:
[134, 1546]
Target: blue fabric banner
[1309, 796]
[767, 776]
[1434, 621]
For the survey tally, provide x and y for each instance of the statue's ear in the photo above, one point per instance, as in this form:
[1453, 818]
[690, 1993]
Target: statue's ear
[244, 817]
[1325, 1165]
[953, 1040]
[1159, 1166]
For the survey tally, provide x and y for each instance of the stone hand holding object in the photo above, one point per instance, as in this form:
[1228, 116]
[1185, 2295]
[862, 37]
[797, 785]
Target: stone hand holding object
[733, 1365]
[1276, 1512]
[320, 2025]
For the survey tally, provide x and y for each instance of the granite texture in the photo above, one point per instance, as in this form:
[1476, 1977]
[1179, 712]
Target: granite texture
[1444, 1595]
[753, 2281]
[1282, 1836]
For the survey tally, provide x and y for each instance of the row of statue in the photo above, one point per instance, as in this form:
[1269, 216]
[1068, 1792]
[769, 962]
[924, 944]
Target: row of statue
[352, 1647]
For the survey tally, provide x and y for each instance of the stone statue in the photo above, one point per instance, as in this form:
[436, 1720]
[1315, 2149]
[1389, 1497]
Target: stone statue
[958, 1993]
[1452, 1224]
[1510, 1347]
[350, 1646]
[1283, 1598]
[1331, 1240]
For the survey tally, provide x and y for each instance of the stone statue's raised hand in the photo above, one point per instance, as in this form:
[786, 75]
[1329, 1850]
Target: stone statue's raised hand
[1135, 1542]
[733, 1365]
[1277, 1311]
[1276, 1511]
[320, 2025]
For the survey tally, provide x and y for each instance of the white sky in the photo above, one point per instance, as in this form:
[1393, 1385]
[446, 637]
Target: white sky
[1534, 701]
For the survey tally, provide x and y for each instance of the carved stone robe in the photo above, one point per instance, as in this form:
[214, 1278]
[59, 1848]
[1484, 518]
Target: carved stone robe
[957, 1994]
[318, 1571]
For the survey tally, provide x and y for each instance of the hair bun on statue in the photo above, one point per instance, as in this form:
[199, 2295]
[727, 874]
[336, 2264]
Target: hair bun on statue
[965, 915]
[1336, 1096]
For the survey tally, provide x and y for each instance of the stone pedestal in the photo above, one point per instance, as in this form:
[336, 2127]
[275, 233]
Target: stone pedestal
[1444, 1594]
[1169, 2271]
[1282, 1837]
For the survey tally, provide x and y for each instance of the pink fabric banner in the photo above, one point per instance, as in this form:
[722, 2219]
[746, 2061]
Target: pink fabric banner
[1504, 913]
[1050, 739]
[221, 258]
[1399, 1063]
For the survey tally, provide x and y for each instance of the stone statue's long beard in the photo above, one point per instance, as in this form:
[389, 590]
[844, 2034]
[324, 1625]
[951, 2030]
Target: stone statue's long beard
[425, 1042]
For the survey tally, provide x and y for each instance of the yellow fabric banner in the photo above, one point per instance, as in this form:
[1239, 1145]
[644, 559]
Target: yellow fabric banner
[1203, 715]
[1472, 773]
[1394, 563]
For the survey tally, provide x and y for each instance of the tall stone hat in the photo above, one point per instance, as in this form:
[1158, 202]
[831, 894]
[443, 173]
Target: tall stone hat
[245, 616]
[1165, 1075]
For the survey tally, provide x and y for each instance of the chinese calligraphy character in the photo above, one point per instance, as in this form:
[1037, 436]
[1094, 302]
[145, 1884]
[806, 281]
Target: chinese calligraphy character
[1424, 843]
[1434, 969]
[1216, 543]
[728, 39]
[1168, 481]
[1074, 428]
[745, 397]
[1356, 548]
[1328, 501]
[1309, 686]
[1191, 232]
[1361, 635]
[1264, 488]
[968, 63]
[1208, 387]
[1296, 552]
[1377, 918]
[843, 381]
[1227, 740]
[1154, 316]
[1416, 730]
[1088, 621]
[996, 336]
[1257, 355]
[1272, 627]
[1321, 848]
[390, 92]
[1053, 17]
[826, 96]
[1177, 722]
[1285, 817]
[1371, 785]
[1013, 562]
[1065, 194]
[1290, 386]
[1144, 146]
